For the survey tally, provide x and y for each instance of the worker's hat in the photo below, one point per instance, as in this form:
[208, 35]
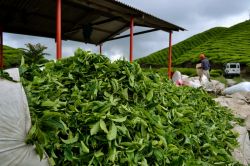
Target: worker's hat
[202, 56]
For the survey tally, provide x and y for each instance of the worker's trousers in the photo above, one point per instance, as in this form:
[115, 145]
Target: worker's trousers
[206, 73]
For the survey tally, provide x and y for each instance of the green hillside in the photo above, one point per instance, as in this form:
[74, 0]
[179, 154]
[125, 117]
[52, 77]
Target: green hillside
[221, 45]
[33, 53]
[12, 57]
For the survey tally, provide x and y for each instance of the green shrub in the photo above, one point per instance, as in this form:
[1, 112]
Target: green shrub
[187, 71]
[162, 71]
[216, 72]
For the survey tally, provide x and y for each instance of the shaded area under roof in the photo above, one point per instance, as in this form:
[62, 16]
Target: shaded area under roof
[89, 21]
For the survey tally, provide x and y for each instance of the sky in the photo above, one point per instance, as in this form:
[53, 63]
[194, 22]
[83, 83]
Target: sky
[195, 16]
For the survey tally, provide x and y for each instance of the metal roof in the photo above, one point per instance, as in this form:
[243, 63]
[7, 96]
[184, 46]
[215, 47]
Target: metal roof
[90, 21]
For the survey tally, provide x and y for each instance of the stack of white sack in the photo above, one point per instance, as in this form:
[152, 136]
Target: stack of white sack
[15, 124]
[183, 80]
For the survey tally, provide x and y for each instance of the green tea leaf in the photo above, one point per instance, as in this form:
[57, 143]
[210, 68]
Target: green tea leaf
[112, 132]
[84, 148]
[150, 95]
[95, 128]
[48, 103]
[39, 150]
[120, 120]
[71, 140]
[131, 80]
[103, 126]
[99, 153]
[68, 154]
[125, 93]
[112, 155]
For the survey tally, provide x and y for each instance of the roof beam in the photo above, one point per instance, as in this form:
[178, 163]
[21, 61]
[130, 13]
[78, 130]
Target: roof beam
[94, 28]
[77, 22]
[83, 17]
[76, 26]
[135, 34]
[105, 21]
[30, 31]
[114, 33]
[151, 25]
[102, 30]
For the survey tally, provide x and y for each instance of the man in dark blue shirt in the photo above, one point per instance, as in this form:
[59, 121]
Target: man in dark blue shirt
[205, 66]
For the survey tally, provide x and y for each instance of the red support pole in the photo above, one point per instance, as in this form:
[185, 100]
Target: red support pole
[131, 38]
[100, 49]
[170, 56]
[1, 47]
[58, 29]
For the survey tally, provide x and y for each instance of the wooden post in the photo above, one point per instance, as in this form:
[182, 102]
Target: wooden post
[131, 38]
[1, 47]
[58, 29]
[170, 56]
[100, 49]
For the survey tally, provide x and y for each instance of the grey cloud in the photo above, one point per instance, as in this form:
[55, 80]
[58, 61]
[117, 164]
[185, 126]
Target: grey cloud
[184, 11]
[223, 8]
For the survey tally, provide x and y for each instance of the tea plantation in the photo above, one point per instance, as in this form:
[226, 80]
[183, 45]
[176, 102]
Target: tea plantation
[12, 57]
[221, 45]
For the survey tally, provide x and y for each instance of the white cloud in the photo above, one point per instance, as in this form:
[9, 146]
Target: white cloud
[230, 21]
[114, 54]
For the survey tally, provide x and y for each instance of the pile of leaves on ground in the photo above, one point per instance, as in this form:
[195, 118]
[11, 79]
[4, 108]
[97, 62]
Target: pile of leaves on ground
[86, 110]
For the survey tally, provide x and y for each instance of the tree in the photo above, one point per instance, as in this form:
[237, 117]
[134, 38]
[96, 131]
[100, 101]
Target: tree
[34, 53]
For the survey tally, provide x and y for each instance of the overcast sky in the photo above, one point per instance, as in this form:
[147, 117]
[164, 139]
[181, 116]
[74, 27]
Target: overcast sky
[194, 15]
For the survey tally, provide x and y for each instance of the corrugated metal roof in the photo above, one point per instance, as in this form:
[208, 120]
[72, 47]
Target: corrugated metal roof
[177, 27]
[90, 21]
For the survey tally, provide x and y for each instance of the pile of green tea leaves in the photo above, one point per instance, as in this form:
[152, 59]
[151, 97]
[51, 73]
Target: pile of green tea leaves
[86, 110]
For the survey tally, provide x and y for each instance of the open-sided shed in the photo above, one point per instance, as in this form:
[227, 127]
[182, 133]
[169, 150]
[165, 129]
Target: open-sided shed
[89, 21]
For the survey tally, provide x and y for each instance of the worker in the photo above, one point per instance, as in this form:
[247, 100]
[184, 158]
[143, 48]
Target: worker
[205, 66]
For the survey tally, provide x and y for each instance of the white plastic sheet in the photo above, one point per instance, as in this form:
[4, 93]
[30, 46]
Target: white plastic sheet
[241, 87]
[176, 76]
[177, 79]
[239, 104]
[15, 123]
[242, 153]
[214, 86]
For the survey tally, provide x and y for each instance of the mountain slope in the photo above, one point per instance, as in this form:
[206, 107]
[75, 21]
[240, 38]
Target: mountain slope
[159, 58]
[12, 57]
[221, 45]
